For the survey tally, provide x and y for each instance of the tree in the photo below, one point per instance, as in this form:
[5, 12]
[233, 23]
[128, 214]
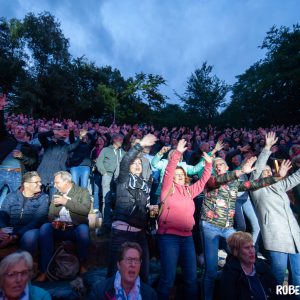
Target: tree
[110, 99]
[269, 91]
[146, 88]
[205, 94]
[11, 56]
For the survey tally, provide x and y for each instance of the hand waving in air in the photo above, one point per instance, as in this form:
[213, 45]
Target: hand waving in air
[181, 147]
[219, 146]
[148, 140]
[285, 166]
[164, 150]
[247, 167]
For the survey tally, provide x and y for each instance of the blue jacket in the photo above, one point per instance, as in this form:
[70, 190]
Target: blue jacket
[24, 213]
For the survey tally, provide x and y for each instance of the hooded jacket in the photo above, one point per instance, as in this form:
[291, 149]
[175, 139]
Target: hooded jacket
[177, 215]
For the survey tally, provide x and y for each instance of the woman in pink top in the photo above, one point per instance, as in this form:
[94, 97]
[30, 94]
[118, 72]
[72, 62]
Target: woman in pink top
[176, 223]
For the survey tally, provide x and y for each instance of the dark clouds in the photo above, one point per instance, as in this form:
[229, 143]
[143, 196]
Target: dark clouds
[166, 37]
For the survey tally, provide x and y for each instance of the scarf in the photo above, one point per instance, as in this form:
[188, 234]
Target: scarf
[136, 182]
[134, 294]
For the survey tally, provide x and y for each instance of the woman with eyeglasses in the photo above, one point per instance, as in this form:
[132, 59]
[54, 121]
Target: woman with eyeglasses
[132, 208]
[175, 225]
[126, 283]
[15, 275]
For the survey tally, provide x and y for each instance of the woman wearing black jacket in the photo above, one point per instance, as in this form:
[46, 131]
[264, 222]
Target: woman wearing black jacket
[132, 207]
[244, 277]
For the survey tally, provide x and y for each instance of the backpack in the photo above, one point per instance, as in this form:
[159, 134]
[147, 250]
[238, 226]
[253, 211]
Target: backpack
[64, 264]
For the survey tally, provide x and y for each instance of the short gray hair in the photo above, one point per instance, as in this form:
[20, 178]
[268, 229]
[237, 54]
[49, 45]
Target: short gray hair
[64, 175]
[219, 159]
[13, 259]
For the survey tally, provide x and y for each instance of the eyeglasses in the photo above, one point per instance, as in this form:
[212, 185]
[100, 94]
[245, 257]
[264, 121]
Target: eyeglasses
[131, 261]
[14, 275]
[179, 175]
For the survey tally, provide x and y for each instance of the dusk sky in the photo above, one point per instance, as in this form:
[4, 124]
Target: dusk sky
[167, 37]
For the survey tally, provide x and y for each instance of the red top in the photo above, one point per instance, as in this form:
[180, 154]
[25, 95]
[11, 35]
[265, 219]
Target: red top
[177, 216]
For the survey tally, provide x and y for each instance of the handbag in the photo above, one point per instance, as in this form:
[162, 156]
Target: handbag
[64, 264]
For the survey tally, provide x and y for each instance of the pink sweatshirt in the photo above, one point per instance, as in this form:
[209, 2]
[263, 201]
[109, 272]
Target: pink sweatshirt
[177, 216]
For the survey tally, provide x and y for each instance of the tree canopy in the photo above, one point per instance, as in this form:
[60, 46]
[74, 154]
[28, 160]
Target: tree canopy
[269, 91]
[43, 79]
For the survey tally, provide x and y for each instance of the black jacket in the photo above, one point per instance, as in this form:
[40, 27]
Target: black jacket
[104, 290]
[235, 285]
[130, 205]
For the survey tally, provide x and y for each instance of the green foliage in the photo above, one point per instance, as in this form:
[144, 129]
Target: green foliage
[269, 91]
[146, 88]
[44, 80]
[205, 94]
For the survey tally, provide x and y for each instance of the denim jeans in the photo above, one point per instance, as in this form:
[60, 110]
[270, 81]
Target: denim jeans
[107, 186]
[3, 192]
[29, 241]
[80, 174]
[174, 249]
[211, 235]
[97, 188]
[11, 179]
[79, 234]
[118, 237]
[280, 262]
[244, 206]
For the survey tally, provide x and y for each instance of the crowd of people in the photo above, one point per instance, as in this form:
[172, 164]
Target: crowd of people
[192, 188]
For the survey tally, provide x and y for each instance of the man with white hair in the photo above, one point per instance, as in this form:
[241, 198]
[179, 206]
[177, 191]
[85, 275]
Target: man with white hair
[68, 213]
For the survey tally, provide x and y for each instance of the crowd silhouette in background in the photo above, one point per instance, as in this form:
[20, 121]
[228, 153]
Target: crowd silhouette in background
[191, 188]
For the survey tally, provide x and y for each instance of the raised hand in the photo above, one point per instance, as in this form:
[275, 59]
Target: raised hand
[82, 133]
[285, 166]
[248, 166]
[245, 148]
[181, 146]
[164, 150]
[207, 158]
[148, 140]
[219, 146]
[271, 140]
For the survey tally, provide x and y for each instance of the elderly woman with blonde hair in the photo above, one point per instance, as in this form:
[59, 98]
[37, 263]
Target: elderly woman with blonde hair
[245, 277]
[15, 275]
